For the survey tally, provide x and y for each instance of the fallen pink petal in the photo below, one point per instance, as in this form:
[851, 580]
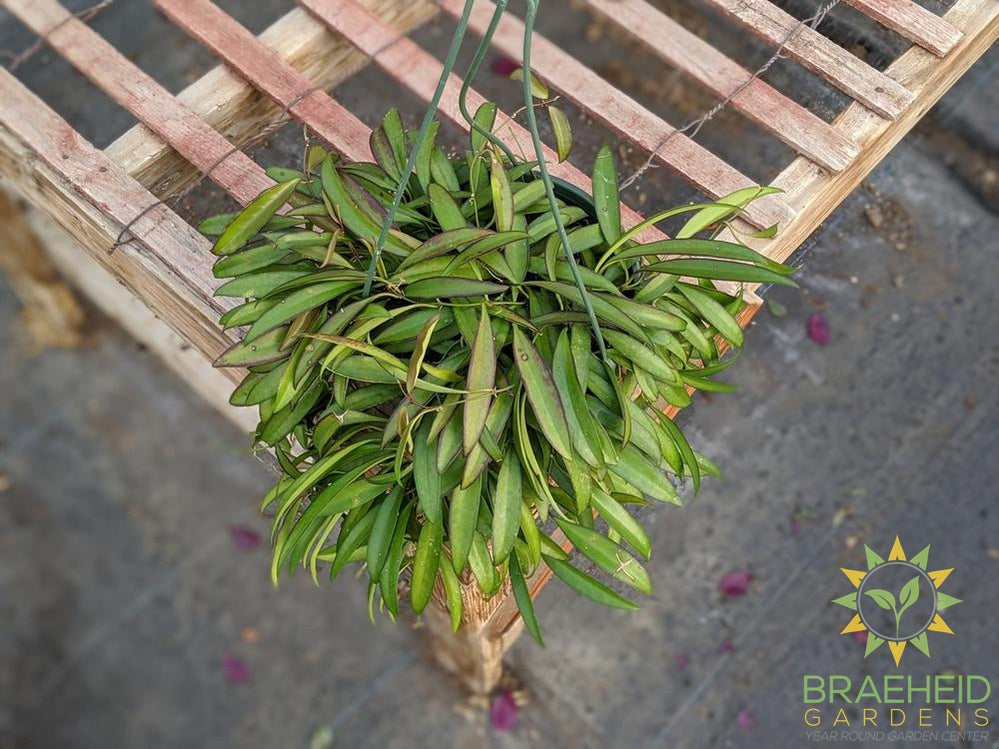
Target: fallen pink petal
[746, 720]
[861, 636]
[682, 662]
[503, 712]
[818, 328]
[727, 646]
[504, 66]
[243, 538]
[236, 671]
[795, 527]
[735, 583]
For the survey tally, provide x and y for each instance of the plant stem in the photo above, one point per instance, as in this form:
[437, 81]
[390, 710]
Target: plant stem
[473, 70]
[428, 118]
[532, 126]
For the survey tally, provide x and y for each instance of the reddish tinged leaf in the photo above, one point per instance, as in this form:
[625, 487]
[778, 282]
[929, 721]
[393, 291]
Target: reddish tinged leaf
[243, 538]
[236, 671]
[818, 329]
[503, 712]
[735, 583]
[746, 720]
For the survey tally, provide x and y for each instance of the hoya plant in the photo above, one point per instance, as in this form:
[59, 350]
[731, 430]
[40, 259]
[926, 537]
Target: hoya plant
[444, 389]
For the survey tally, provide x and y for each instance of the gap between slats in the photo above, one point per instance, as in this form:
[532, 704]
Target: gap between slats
[626, 117]
[804, 131]
[813, 51]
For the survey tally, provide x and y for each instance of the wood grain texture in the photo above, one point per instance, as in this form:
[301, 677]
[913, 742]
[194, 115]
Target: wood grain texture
[265, 69]
[812, 50]
[137, 92]
[168, 266]
[792, 123]
[623, 115]
[230, 105]
[913, 22]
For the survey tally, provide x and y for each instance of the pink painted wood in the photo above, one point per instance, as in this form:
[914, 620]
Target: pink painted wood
[104, 185]
[152, 104]
[803, 131]
[622, 114]
[265, 70]
[812, 50]
[912, 21]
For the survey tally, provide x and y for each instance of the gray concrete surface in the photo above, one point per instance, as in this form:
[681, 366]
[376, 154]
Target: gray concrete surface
[122, 591]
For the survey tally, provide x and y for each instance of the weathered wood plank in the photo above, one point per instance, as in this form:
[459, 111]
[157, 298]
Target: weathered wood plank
[137, 92]
[622, 114]
[230, 105]
[792, 123]
[912, 21]
[812, 50]
[262, 66]
[168, 265]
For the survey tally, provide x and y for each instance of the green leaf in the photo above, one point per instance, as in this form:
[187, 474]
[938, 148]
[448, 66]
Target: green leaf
[428, 552]
[425, 474]
[444, 208]
[452, 589]
[480, 382]
[252, 218]
[563, 132]
[462, 518]
[542, 393]
[882, 598]
[295, 304]
[582, 430]
[266, 348]
[419, 352]
[386, 517]
[714, 313]
[445, 287]
[721, 270]
[618, 518]
[502, 194]
[507, 502]
[722, 209]
[522, 596]
[538, 89]
[482, 566]
[908, 595]
[649, 479]
[605, 195]
[607, 555]
[587, 586]
[389, 582]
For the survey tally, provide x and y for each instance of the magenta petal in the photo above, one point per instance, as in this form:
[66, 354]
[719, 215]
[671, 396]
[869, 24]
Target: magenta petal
[861, 636]
[244, 539]
[818, 328]
[726, 647]
[746, 720]
[503, 712]
[236, 671]
[504, 66]
[682, 662]
[795, 527]
[735, 583]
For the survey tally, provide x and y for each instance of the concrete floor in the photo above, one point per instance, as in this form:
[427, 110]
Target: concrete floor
[122, 591]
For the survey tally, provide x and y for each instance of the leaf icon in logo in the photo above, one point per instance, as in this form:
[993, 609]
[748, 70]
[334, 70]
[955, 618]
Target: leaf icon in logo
[882, 598]
[908, 595]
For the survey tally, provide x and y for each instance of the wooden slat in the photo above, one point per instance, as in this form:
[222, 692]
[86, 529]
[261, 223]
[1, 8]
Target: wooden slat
[260, 65]
[143, 97]
[822, 56]
[169, 263]
[629, 119]
[418, 70]
[815, 193]
[913, 22]
[236, 109]
[792, 123]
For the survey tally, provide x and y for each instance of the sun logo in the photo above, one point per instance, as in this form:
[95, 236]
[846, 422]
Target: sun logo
[897, 618]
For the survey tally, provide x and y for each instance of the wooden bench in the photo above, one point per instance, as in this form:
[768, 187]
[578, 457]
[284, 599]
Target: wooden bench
[285, 73]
